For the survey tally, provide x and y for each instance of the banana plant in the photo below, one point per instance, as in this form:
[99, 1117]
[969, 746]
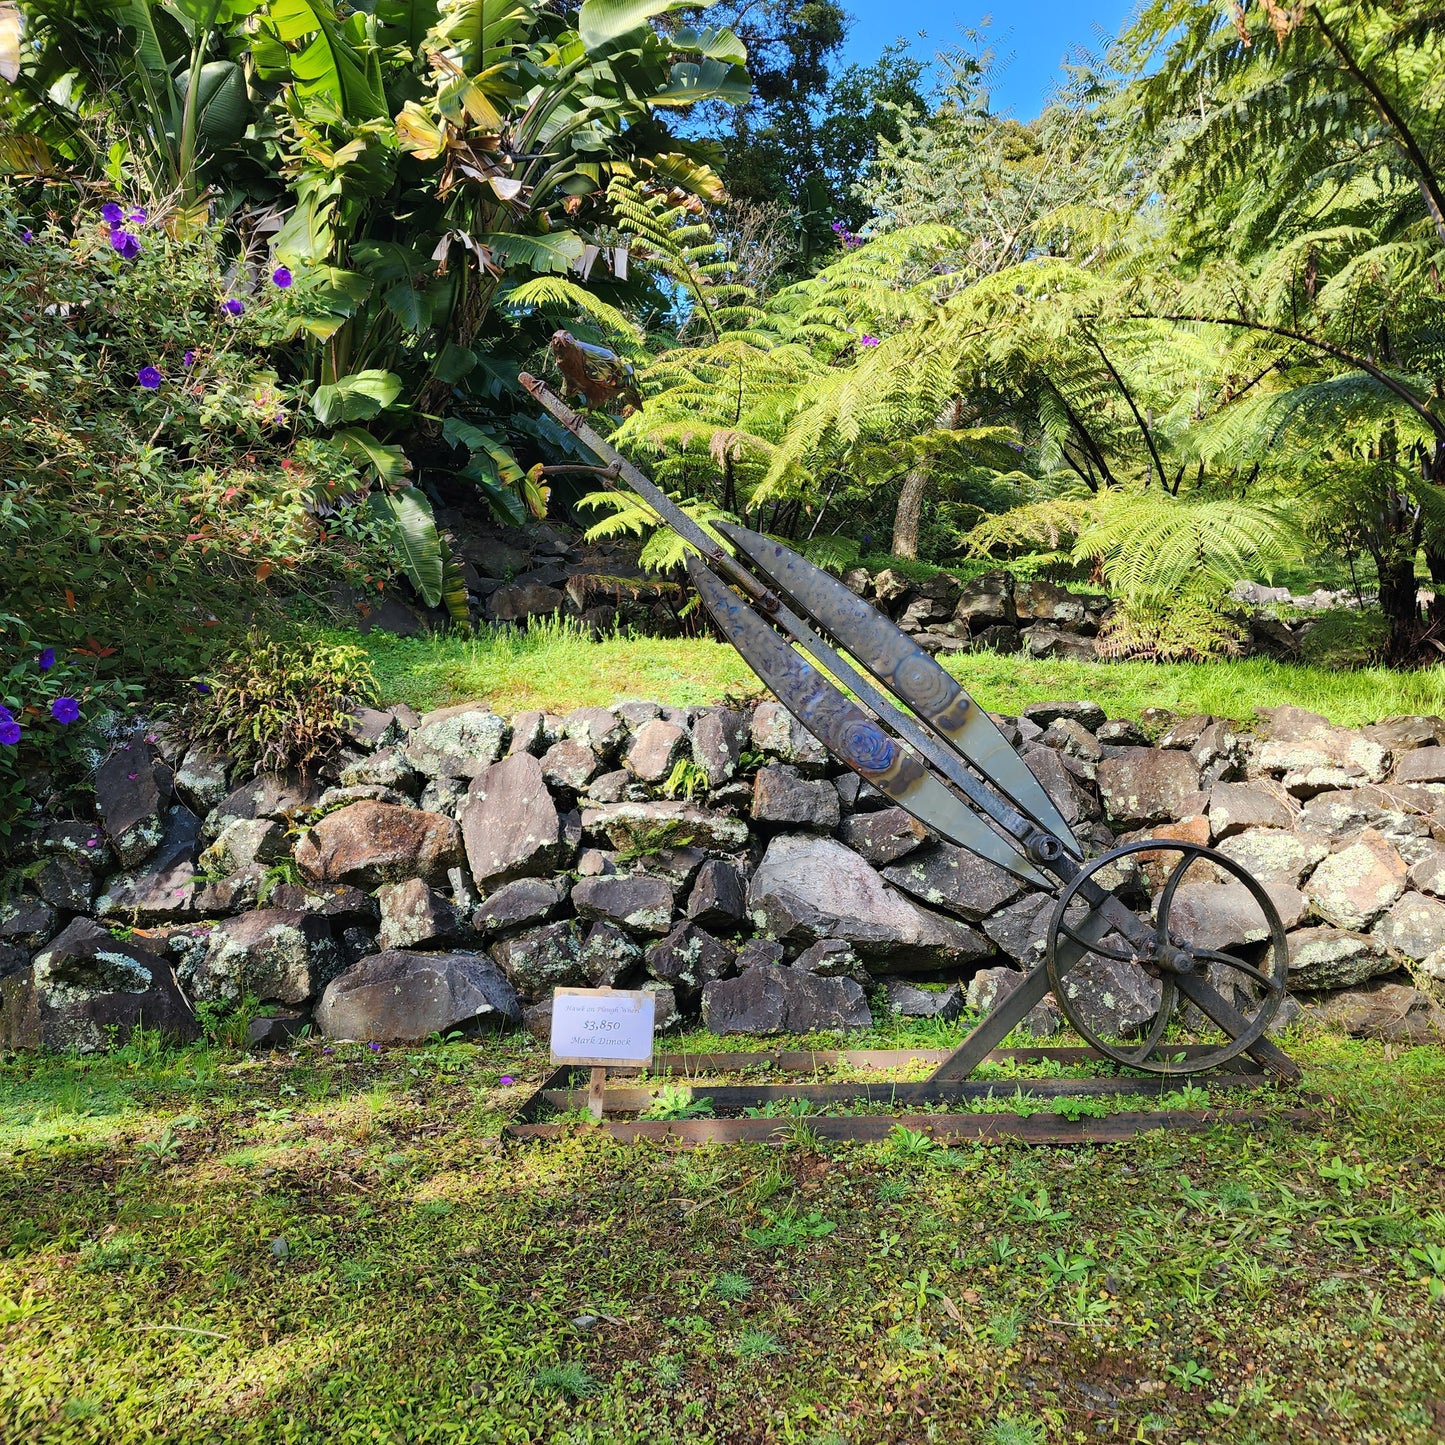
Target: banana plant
[167, 74]
[516, 119]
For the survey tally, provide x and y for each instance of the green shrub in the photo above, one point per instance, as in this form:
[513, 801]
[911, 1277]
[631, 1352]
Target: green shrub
[1187, 629]
[279, 703]
[1345, 638]
[50, 708]
[156, 480]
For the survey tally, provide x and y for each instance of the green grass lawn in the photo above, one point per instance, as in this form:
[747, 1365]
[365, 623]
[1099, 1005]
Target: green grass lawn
[196, 1246]
[557, 668]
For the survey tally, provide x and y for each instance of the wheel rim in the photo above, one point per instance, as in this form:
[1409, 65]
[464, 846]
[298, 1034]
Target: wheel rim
[1273, 980]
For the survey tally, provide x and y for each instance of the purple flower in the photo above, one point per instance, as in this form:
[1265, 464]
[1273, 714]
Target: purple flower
[375, 1048]
[112, 213]
[868, 341]
[328, 1051]
[65, 710]
[149, 378]
[282, 277]
[202, 687]
[27, 235]
[137, 216]
[126, 244]
[46, 660]
[188, 360]
[234, 307]
[92, 842]
[506, 1080]
[9, 732]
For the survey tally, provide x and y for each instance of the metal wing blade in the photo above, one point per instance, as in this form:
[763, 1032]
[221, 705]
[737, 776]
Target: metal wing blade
[901, 665]
[848, 733]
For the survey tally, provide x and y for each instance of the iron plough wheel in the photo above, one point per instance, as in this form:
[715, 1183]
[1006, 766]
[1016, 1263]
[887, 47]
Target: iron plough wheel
[1160, 950]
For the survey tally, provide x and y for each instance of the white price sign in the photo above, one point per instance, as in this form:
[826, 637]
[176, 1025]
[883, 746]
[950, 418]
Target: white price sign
[602, 1026]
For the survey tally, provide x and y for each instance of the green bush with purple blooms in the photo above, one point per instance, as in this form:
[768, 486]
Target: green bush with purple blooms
[51, 708]
[160, 485]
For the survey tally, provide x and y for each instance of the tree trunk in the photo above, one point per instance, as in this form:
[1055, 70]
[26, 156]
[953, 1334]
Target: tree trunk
[1402, 612]
[907, 518]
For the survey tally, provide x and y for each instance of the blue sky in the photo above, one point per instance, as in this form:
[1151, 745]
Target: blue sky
[1029, 39]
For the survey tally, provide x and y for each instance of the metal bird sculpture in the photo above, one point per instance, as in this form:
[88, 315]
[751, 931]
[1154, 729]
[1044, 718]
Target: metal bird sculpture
[594, 373]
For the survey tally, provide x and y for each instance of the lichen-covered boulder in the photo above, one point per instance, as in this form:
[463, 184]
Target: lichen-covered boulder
[882, 837]
[687, 960]
[87, 987]
[163, 887]
[1353, 887]
[1275, 854]
[654, 750]
[910, 1001]
[1235, 807]
[777, 732]
[1395, 1012]
[510, 823]
[401, 997]
[1310, 756]
[608, 955]
[515, 905]
[783, 798]
[130, 799]
[244, 841]
[655, 825]
[368, 844]
[717, 739]
[1142, 786]
[455, 742]
[636, 902]
[1413, 926]
[599, 728]
[807, 888]
[955, 880]
[1328, 957]
[989, 985]
[774, 1000]
[542, 959]
[273, 954]
[414, 916]
[718, 898]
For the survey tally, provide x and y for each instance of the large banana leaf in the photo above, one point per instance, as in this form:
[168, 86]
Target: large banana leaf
[389, 462]
[224, 109]
[406, 520]
[356, 397]
[715, 43]
[600, 22]
[556, 251]
[405, 22]
[331, 65]
[710, 80]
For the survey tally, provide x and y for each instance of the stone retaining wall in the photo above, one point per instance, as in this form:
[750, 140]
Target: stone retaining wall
[450, 870]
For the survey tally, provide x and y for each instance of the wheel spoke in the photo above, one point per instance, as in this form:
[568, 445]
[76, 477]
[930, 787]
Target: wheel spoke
[1156, 1031]
[1240, 966]
[1095, 947]
[1166, 896]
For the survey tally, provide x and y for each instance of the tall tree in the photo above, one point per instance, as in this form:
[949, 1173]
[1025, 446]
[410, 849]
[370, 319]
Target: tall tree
[1303, 166]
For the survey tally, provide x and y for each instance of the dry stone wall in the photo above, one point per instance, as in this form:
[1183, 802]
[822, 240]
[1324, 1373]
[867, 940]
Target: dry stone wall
[450, 870]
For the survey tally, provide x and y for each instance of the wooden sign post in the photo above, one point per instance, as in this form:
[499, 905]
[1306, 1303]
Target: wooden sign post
[601, 1026]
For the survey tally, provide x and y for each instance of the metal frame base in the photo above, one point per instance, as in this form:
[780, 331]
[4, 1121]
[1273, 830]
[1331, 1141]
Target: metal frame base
[566, 1088]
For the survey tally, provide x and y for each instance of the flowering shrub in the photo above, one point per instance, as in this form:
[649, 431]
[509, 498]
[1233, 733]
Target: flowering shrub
[157, 487]
[50, 706]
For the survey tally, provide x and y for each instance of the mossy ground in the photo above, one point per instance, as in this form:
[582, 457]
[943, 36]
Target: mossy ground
[198, 1246]
[557, 668]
